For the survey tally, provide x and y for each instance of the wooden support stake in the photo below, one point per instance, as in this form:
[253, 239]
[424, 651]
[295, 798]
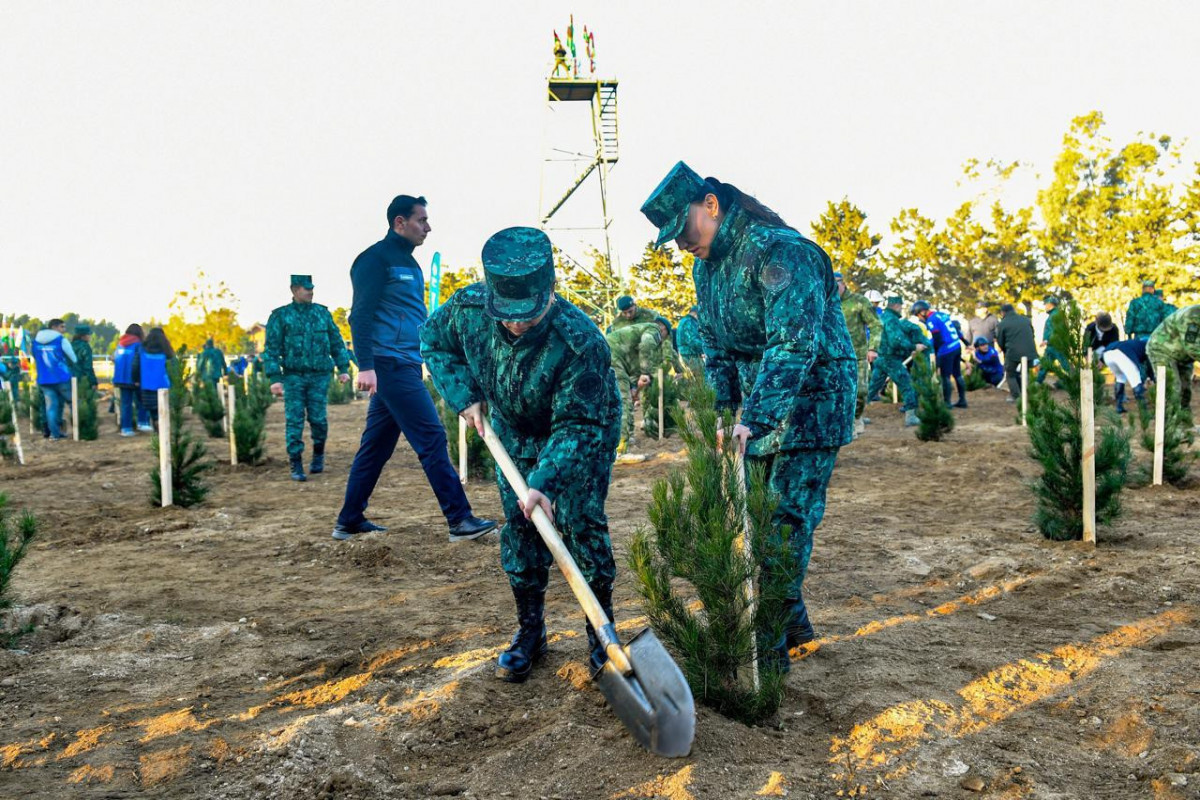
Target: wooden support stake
[1088, 421]
[16, 426]
[895, 393]
[661, 414]
[164, 448]
[462, 450]
[232, 439]
[75, 408]
[1160, 420]
[743, 545]
[32, 389]
[224, 405]
[1024, 391]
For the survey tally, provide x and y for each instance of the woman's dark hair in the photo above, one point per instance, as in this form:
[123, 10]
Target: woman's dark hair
[157, 342]
[727, 194]
[135, 330]
[402, 206]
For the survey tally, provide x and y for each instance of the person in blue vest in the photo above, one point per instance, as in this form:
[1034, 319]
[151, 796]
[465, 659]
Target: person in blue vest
[152, 358]
[987, 361]
[55, 364]
[127, 371]
[948, 340]
[387, 314]
[1128, 362]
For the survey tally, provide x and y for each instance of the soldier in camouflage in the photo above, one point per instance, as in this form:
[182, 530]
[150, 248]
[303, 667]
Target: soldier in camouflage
[1175, 344]
[1144, 313]
[630, 313]
[900, 339]
[689, 344]
[302, 346]
[865, 332]
[84, 369]
[776, 343]
[636, 355]
[542, 369]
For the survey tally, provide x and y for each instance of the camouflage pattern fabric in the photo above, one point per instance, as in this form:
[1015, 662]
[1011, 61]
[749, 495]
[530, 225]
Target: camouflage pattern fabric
[774, 334]
[1175, 344]
[636, 350]
[640, 317]
[900, 336]
[687, 336]
[552, 398]
[866, 331]
[1144, 314]
[83, 369]
[302, 338]
[890, 367]
[304, 395]
[625, 385]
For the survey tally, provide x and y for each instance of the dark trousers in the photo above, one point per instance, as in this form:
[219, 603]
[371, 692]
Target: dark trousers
[130, 397]
[950, 366]
[401, 404]
[1012, 374]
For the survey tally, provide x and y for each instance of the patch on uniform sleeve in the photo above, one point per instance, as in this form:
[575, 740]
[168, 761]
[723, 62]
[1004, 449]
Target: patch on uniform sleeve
[776, 277]
[589, 387]
[1192, 336]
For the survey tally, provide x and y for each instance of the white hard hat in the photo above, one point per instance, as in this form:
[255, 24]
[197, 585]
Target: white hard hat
[874, 296]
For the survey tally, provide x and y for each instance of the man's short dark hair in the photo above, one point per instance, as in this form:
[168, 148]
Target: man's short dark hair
[403, 206]
[54, 323]
[1007, 308]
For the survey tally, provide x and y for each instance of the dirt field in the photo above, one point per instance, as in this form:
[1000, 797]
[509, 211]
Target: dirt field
[235, 650]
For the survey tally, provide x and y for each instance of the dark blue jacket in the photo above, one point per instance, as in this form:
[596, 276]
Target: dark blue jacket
[946, 333]
[990, 366]
[1134, 349]
[126, 366]
[388, 311]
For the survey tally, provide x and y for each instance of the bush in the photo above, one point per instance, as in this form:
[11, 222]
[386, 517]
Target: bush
[480, 464]
[935, 416]
[690, 554]
[1179, 433]
[207, 405]
[189, 459]
[340, 393]
[1056, 443]
[973, 376]
[14, 541]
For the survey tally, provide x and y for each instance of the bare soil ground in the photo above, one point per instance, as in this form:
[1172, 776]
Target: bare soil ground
[234, 650]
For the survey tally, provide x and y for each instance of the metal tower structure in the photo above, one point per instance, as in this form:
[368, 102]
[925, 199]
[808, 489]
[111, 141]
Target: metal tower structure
[567, 92]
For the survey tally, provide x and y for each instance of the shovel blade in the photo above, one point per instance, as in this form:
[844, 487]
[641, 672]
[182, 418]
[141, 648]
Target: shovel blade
[655, 702]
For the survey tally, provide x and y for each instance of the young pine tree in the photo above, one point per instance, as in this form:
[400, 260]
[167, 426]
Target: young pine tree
[7, 429]
[189, 455]
[480, 464]
[339, 393]
[1179, 433]
[89, 422]
[1056, 442]
[15, 537]
[649, 399]
[691, 554]
[33, 405]
[208, 407]
[936, 418]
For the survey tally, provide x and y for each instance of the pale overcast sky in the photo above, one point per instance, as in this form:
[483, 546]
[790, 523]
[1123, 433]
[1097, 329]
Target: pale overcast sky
[141, 141]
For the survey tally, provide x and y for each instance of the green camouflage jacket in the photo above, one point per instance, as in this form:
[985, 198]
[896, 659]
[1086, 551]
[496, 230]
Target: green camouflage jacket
[643, 315]
[83, 368]
[637, 348]
[303, 338]
[774, 336]
[551, 393]
[1144, 313]
[900, 336]
[1178, 337]
[210, 364]
[861, 320]
[1048, 328]
[687, 336]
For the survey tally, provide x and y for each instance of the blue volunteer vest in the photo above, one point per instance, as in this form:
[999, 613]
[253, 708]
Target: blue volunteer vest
[123, 363]
[990, 366]
[51, 363]
[154, 371]
[945, 332]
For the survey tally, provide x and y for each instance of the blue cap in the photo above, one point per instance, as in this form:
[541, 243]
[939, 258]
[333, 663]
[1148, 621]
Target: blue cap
[304, 281]
[919, 306]
[667, 206]
[981, 340]
[518, 267]
[624, 303]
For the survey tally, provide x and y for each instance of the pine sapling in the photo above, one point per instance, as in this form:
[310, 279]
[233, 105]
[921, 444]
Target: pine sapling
[932, 410]
[89, 422]
[339, 393]
[15, 537]
[649, 400]
[189, 455]
[480, 464]
[207, 405]
[1179, 433]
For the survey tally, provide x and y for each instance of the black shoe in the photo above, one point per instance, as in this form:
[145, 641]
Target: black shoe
[529, 642]
[961, 404]
[799, 630]
[297, 464]
[471, 528]
[596, 654]
[318, 461]
[343, 532]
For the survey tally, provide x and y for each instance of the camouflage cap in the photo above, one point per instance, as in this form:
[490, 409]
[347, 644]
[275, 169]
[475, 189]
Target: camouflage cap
[624, 302]
[83, 330]
[1148, 282]
[895, 300]
[304, 281]
[518, 266]
[1051, 300]
[667, 206]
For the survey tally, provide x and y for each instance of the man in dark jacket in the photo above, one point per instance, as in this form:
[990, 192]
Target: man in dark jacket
[1014, 337]
[386, 317]
[1101, 333]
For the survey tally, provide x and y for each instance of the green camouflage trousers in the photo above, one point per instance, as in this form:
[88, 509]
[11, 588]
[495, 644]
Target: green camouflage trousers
[864, 382]
[304, 394]
[625, 387]
[888, 367]
[798, 478]
[579, 516]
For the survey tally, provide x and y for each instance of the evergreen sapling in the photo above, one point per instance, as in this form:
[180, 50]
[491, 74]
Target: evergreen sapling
[1179, 433]
[207, 405]
[15, 537]
[89, 422]
[480, 464]
[189, 461]
[932, 410]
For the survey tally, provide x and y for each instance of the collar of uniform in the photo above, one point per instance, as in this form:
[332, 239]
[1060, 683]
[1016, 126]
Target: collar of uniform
[535, 335]
[397, 240]
[298, 304]
[731, 228]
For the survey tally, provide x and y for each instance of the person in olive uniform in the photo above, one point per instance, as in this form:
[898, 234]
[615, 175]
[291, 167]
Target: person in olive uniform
[630, 313]
[302, 343]
[84, 368]
[1050, 354]
[776, 343]
[901, 338]
[865, 332]
[1175, 344]
[539, 368]
[636, 356]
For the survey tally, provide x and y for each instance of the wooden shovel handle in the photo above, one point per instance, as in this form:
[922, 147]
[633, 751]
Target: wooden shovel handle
[570, 570]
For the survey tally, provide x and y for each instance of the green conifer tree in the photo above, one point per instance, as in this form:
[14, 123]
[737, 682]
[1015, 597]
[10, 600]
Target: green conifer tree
[8, 451]
[15, 537]
[690, 554]
[480, 464]
[649, 399]
[208, 407]
[1179, 434]
[89, 422]
[935, 416]
[189, 455]
[339, 393]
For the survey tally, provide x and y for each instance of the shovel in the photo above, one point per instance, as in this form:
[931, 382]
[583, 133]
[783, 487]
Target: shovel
[641, 682]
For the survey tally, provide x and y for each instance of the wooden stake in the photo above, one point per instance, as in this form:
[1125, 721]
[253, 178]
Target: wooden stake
[75, 408]
[1160, 420]
[1024, 391]
[16, 426]
[164, 448]
[224, 405]
[661, 415]
[895, 393]
[232, 439]
[1088, 421]
[743, 546]
[462, 451]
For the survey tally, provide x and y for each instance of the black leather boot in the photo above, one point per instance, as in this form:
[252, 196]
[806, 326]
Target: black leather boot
[597, 656]
[799, 629]
[318, 459]
[529, 642]
[297, 464]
